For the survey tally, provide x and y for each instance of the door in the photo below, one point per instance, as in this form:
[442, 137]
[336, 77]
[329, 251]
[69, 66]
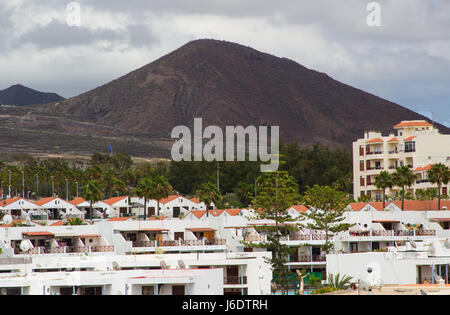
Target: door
[176, 212]
[232, 275]
[159, 238]
[179, 235]
[209, 235]
[178, 290]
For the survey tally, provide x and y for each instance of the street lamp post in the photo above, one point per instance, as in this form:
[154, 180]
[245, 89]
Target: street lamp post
[37, 186]
[67, 190]
[9, 184]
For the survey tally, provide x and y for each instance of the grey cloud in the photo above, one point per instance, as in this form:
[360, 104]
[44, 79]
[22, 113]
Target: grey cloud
[56, 34]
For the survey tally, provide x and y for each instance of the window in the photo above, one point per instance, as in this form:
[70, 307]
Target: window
[410, 146]
[148, 290]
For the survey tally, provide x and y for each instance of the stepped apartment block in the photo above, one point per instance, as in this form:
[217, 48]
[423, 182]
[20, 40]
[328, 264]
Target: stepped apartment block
[416, 144]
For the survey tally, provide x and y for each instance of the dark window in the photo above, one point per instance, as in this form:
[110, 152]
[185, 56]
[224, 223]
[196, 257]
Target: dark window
[148, 290]
[178, 290]
[410, 146]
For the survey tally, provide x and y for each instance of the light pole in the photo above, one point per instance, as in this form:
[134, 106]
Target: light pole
[67, 190]
[9, 184]
[23, 183]
[218, 182]
[37, 186]
[77, 189]
[2, 190]
[53, 186]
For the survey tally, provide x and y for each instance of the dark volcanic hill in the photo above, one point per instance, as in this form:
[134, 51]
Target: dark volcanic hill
[230, 84]
[20, 95]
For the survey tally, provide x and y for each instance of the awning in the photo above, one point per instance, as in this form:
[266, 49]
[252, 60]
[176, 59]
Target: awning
[43, 233]
[89, 235]
[65, 234]
[204, 229]
[160, 230]
[440, 219]
[385, 221]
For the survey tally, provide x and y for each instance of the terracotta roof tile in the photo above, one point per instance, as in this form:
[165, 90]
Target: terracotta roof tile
[413, 124]
[114, 200]
[376, 140]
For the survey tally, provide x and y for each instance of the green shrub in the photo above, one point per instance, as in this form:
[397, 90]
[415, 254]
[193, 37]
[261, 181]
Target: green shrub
[324, 290]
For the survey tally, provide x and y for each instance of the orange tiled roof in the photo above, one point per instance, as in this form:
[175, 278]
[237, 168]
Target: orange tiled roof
[357, 206]
[376, 140]
[393, 140]
[198, 213]
[57, 223]
[299, 208]
[77, 201]
[43, 233]
[119, 219]
[378, 205]
[410, 138]
[413, 124]
[426, 168]
[43, 201]
[8, 201]
[233, 212]
[113, 200]
[422, 205]
[196, 200]
[170, 198]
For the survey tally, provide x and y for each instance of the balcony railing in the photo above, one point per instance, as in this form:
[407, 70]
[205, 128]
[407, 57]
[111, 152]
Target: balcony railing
[255, 238]
[403, 233]
[41, 250]
[307, 258]
[235, 280]
[171, 243]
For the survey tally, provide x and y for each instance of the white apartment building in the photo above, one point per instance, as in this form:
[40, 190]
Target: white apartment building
[416, 144]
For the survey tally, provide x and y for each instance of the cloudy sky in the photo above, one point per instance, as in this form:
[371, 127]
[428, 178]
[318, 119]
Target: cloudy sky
[405, 60]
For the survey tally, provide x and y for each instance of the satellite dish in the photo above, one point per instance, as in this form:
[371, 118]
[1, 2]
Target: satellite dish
[163, 265]
[115, 265]
[25, 246]
[7, 219]
[412, 243]
[181, 264]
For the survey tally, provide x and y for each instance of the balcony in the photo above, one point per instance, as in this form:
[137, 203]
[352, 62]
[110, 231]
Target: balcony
[172, 243]
[255, 238]
[393, 233]
[41, 250]
[307, 258]
[236, 280]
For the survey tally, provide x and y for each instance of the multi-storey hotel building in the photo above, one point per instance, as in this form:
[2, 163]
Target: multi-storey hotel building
[416, 144]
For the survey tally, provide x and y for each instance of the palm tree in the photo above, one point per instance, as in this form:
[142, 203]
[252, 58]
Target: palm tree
[439, 174]
[93, 192]
[162, 189]
[146, 189]
[335, 281]
[208, 193]
[404, 178]
[383, 181]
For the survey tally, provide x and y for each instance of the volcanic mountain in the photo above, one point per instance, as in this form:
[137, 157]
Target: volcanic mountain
[230, 84]
[20, 95]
